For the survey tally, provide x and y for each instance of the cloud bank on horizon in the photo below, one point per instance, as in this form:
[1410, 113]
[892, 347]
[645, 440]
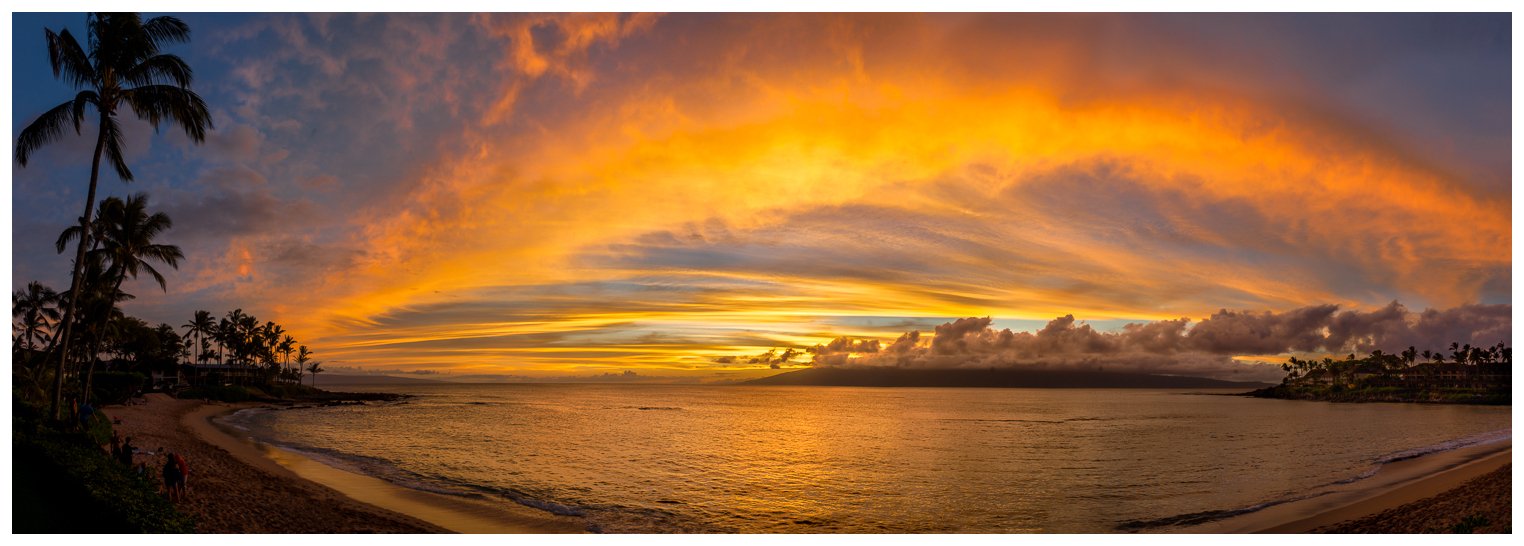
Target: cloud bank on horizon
[586, 193]
[1207, 348]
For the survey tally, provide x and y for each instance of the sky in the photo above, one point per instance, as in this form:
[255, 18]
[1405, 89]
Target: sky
[715, 197]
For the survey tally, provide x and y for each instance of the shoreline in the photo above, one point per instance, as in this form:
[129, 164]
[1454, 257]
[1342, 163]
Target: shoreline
[341, 501]
[451, 513]
[238, 485]
[230, 494]
[1394, 485]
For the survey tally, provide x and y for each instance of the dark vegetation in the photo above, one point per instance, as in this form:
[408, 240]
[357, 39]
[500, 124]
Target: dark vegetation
[865, 376]
[1468, 375]
[77, 348]
[65, 483]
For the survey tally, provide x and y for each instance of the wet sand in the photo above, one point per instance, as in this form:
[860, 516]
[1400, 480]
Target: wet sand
[1393, 492]
[241, 486]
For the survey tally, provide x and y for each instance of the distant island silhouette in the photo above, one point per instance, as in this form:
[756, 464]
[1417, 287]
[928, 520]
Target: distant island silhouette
[865, 376]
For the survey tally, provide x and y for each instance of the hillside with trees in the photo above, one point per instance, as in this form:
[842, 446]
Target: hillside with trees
[1466, 375]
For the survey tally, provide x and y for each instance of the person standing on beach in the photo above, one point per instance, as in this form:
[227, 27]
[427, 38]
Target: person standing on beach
[125, 455]
[172, 477]
[180, 463]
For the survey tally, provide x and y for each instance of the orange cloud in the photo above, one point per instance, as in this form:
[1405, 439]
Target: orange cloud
[990, 141]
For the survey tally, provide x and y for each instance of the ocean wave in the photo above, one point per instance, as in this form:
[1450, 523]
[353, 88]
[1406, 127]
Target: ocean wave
[391, 473]
[1474, 440]
[1207, 516]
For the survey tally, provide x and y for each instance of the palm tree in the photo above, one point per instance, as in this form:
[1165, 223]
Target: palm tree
[127, 232]
[201, 324]
[124, 235]
[232, 331]
[37, 306]
[286, 347]
[303, 355]
[270, 341]
[222, 334]
[315, 368]
[123, 67]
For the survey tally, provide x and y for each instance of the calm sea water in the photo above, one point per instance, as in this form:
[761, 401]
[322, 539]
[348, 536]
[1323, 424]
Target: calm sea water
[645, 458]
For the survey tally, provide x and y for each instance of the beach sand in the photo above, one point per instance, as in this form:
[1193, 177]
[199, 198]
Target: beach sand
[241, 486]
[1487, 501]
[1403, 497]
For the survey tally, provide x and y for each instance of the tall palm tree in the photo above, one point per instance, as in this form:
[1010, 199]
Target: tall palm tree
[124, 235]
[127, 235]
[304, 355]
[286, 347]
[232, 332]
[200, 325]
[123, 67]
[315, 368]
[221, 334]
[270, 337]
[37, 307]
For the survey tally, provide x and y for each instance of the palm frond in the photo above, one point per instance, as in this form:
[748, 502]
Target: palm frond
[167, 29]
[157, 277]
[113, 136]
[168, 254]
[45, 129]
[83, 98]
[69, 234]
[159, 69]
[70, 63]
[157, 103]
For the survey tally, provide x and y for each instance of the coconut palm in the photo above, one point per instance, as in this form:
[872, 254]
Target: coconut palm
[232, 332]
[123, 68]
[127, 234]
[304, 355]
[286, 347]
[315, 368]
[124, 235]
[200, 325]
[37, 307]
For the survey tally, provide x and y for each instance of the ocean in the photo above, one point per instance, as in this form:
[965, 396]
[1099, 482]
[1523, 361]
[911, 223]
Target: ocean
[665, 458]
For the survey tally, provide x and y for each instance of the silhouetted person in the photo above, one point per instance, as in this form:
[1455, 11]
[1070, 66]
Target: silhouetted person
[125, 455]
[173, 479]
[184, 472]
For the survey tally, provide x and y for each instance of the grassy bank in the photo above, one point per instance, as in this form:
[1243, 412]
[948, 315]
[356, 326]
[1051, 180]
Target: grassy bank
[65, 483]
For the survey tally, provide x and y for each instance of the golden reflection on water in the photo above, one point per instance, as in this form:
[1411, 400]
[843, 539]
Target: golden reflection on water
[631, 458]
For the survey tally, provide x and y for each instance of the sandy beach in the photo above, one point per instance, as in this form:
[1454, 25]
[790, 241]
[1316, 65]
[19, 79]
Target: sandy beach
[1424, 494]
[239, 486]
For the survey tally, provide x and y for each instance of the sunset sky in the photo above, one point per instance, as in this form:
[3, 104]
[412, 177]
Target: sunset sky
[574, 195]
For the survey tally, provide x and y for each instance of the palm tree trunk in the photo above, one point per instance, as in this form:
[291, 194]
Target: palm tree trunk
[95, 345]
[90, 371]
[79, 268]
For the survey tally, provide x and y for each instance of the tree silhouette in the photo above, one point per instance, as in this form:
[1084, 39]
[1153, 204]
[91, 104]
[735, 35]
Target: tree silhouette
[123, 68]
[37, 307]
[200, 325]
